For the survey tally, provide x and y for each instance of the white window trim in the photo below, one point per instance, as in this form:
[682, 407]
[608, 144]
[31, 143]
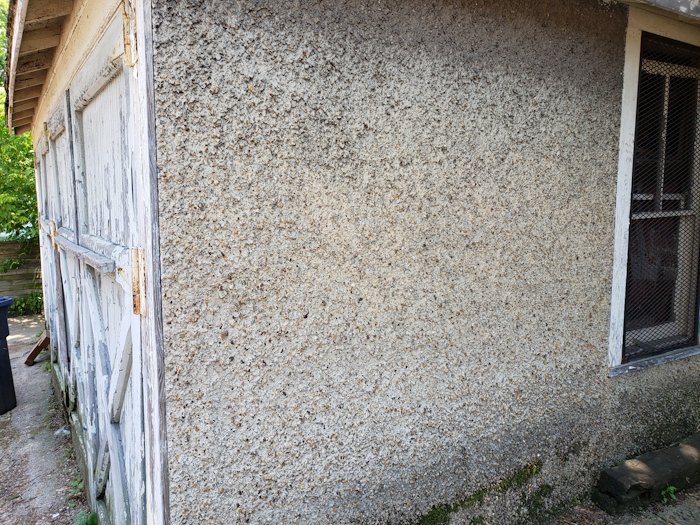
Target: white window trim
[640, 20]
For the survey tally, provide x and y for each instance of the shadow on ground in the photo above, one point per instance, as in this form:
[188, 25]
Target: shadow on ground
[685, 510]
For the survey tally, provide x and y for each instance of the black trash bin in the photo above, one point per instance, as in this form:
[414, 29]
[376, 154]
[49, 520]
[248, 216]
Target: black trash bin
[8, 401]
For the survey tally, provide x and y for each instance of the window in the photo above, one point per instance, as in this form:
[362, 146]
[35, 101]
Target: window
[655, 283]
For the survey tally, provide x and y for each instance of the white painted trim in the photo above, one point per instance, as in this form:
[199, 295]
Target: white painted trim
[639, 20]
[624, 190]
[57, 122]
[17, 33]
[156, 456]
[643, 20]
[648, 362]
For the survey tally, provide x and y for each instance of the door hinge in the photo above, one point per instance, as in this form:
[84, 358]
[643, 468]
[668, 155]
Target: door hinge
[53, 233]
[129, 36]
[138, 282]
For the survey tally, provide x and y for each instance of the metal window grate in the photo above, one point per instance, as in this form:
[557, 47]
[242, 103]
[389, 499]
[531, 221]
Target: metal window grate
[662, 269]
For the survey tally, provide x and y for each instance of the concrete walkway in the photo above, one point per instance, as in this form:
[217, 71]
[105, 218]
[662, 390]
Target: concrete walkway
[39, 479]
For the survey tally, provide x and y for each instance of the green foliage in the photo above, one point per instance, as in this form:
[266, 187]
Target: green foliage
[76, 488]
[86, 519]
[11, 263]
[3, 38]
[668, 494]
[32, 303]
[17, 190]
[28, 249]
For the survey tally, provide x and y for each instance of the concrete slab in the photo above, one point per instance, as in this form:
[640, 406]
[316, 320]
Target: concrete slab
[37, 465]
[24, 330]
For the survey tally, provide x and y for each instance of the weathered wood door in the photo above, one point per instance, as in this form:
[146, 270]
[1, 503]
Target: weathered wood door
[92, 250]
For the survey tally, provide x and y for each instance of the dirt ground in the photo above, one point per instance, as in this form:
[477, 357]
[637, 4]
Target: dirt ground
[684, 511]
[39, 479]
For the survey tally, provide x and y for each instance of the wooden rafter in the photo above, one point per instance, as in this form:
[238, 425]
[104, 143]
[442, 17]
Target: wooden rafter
[22, 121]
[34, 34]
[30, 80]
[35, 62]
[41, 12]
[24, 106]
[40, 39]
[26, 94]
[19, 115]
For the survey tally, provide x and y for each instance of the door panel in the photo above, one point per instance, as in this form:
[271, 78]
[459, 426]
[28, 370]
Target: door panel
[90, 240]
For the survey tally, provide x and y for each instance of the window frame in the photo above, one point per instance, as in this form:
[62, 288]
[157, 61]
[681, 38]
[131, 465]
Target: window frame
[639, 21]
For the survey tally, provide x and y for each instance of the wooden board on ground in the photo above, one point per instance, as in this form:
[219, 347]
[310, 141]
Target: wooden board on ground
[38, 347]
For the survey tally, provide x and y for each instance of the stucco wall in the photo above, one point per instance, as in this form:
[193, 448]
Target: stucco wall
[386, 234]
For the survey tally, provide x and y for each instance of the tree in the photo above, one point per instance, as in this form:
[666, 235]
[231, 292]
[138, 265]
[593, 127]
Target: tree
[18, 210]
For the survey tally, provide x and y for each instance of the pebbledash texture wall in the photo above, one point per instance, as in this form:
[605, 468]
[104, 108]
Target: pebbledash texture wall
[386, 234]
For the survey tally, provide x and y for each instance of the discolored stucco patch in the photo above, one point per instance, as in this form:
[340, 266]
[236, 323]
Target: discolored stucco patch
[386, 238]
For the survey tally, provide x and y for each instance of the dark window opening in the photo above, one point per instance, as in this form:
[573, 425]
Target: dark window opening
[661, 307]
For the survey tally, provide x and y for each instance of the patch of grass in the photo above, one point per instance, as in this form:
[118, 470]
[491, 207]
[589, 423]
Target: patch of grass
[84, 518]
[478, 520]
[46, 365]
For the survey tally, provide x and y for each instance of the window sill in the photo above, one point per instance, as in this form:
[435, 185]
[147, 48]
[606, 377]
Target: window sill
[648, 362]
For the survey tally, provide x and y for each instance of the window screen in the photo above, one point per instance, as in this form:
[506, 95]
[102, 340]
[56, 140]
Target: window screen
[662, 272]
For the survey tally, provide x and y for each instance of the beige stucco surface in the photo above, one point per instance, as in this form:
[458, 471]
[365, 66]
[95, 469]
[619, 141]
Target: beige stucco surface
[386, 236]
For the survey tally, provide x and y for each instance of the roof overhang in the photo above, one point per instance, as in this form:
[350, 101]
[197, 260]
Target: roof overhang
[33, 33]
[685, 10]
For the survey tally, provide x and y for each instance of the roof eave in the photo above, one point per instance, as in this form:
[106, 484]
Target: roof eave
[34, 32]
[16, 14]
[686, 10]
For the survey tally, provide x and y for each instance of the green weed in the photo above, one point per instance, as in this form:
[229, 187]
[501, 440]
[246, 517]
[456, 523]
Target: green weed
[32, 303]
[86, 519]
[11, 263]
[76, 488]
[668, 494]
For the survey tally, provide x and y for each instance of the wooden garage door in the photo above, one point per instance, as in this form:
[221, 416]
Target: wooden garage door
[96, 290]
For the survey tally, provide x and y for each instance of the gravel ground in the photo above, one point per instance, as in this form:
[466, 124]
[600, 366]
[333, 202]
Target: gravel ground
[39, 478]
